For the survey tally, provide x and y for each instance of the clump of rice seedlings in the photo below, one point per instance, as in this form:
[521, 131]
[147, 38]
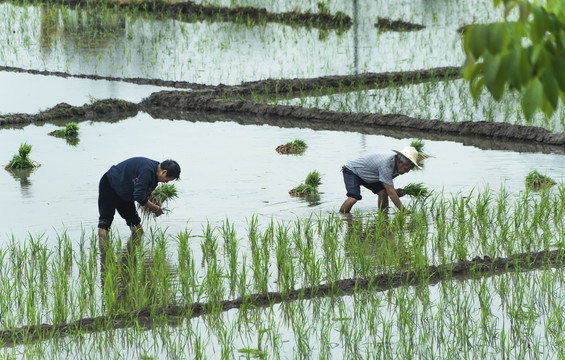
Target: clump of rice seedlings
[537, 181]
[21, 160]
[416, 190]
[419, 146]
[310, 186]
[160, 196]
[69, 133]
[292, 147]
[70, 130]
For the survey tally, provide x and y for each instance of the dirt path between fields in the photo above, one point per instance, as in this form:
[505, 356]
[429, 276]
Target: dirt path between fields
[173, 314]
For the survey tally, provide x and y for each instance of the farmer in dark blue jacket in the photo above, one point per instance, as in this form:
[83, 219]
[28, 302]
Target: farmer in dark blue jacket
[129, 181]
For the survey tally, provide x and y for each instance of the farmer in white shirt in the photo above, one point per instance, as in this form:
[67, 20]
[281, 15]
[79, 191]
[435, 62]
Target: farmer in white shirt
[375, 171]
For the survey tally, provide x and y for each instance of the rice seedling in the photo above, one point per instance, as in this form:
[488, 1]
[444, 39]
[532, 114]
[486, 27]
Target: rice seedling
[417, 190]
[537, 181]
[70, 130]
[296, 146]
[310, 186]
[160, 197]
[21, 160]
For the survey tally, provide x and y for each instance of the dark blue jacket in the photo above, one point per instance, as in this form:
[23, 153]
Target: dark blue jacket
[134, 179]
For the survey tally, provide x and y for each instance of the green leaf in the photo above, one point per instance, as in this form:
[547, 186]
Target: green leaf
[524, 11]
[476, 86]
[496, 36]
[525, 72]
[476, 38]
[473, 70]
[511, 68]
[531, 99]
[492, 80]
[550, 89]
[539, 24]
[558, 73]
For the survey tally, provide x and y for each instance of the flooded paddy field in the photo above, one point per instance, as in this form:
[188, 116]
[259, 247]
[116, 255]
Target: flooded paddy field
[443, 100]
[230, 170]
[239, 268]
[114, 43]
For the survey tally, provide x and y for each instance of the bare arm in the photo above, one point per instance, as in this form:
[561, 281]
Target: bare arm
[391, 192]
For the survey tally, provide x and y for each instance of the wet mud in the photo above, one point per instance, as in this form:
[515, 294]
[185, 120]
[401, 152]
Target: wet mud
[287, 150]
[269, 88]
[397, 25]
[148, 317]
[110, 108]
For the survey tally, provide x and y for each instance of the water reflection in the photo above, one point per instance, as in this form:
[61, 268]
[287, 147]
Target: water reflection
[85, 29]
[311, 199]
[22, 175]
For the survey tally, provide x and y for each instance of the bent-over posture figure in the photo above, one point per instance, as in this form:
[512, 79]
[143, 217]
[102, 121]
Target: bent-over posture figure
[129, 181]
[375, 171]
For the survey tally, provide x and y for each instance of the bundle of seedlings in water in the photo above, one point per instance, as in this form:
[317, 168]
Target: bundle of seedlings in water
[419, 146]
[160, 196]
[415, 190]
[310, 186]
[21, 160]
[537, 181]
[69, 133]
[292, 147]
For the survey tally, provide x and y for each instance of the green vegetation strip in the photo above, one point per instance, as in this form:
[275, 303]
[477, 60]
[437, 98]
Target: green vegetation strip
[192, 12]
[289, 87]
[149, 315]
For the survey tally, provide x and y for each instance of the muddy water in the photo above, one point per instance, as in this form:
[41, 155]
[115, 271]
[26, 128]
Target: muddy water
[228, 171]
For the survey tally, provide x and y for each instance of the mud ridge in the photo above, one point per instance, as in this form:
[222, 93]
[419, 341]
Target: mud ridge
[191, 12]
[148, 316]
[279, 87]
[397, 25]
[187, 101]
[110, 107]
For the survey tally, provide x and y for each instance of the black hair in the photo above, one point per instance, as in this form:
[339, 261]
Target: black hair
[172, 167]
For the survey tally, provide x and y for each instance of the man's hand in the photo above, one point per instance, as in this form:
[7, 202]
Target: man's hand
[158, 211]
[400, 192]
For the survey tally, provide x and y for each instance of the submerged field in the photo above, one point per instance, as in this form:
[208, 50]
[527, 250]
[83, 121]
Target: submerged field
[239, 268]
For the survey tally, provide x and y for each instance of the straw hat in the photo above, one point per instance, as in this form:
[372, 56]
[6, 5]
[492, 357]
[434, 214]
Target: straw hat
[411, 154]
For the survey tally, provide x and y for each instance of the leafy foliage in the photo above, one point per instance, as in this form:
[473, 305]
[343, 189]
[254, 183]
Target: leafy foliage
[527, 55]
